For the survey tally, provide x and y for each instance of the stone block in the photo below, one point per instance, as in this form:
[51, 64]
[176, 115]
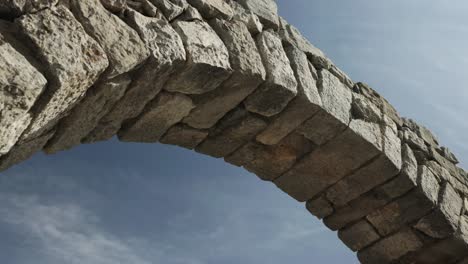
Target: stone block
[391, 248]
[232, 132]
[445, 251]
[16, 8]
[184, 136]
[213, 8]
[269, 162]
[206, 52]
[280, 86]
[320, 207]
[248, 73]
[304, 105]
[358, 235]
[444, 220]
[21, 85]
[266, 10]
[171, 8]
[166, 110]
[247, 17]
[115, 6]
[167, 56]
[86, 115]
[123, 46]
[72, 61]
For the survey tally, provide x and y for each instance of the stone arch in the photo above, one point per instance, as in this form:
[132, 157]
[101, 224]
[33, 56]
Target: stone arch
[231, 79]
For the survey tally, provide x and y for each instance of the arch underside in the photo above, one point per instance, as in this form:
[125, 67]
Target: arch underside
[233, 80]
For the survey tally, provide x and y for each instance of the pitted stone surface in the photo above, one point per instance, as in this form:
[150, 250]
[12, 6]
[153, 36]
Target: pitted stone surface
[73, 61]
[230, 79]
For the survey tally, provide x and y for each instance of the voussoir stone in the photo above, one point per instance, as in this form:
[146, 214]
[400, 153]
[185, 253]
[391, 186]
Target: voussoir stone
[206, 52]
[20, 86]
[320, 207]
[167, 57]
[266, 10]
[72, 61]
[171, 8]
[213, 8]
[166, 110]
[280, 86]
[248, 73]
[86, 115]
[14, 8]
[123, 46]
[358, 235]
[304, 105]
[184, 136]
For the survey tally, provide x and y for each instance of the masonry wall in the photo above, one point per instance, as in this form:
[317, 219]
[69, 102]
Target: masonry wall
[233, 80]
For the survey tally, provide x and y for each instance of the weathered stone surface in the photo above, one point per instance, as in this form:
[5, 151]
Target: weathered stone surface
[85, 116]
[335, 116]
[359, 235]
[24, 151]
[15, 8]
[446, 251]
[280, 85]
[171, 8]
[248, 73]
[206, 52]
[266, 10]
[269, 162]
[123, 46]
[190, 14]
[446, 153]
[20, 86]
[421, 131]
[408, 208]
[320, 207]
[166, 110]
[304, 105]
[247, 17]
[115, 6]
[444, 220]
[213, 8]
[167, 56]
[144, 7]
[72, 60]
[391, 248]
[233, 131]
[292, 35]
[327, 165]
[184, 136]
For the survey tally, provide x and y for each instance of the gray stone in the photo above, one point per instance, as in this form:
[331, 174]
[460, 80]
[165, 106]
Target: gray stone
[421, 131]
[280, 85]
[358, 235]
[86, 115]
[408, 208]
[162, 113]
[412, 139]
[170, 8]
[72, 60]
[444, 220]
[248, 73]
[24, 150]
[391, 248]
[184, 136]
[304, 105]
[365, 109]
[233, 131]
[144, 7]
[190, 14]
[449, 250]
[335, 116]
[270, 162]
[213, 8]
[167, 57]
[247, 17]
[123, 46]
[115, 6]
[266, 10]
[20, 86]
[15, 8]
[343, 77]
[206, 52]
[327, 165]
[320, 207]
[446, 153]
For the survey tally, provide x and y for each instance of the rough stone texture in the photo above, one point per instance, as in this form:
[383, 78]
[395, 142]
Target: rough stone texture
[20, 86]
[232, 80]
[72, 59]
[280, 85]
[359, 235]
[248, 73]
[85, 116]
[167, 56]
[306, 104]
[123, 46]
[206, 52]
[161, 114]
[266, 10]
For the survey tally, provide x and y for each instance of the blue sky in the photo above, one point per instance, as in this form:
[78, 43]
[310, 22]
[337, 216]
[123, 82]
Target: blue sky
[139, 203]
